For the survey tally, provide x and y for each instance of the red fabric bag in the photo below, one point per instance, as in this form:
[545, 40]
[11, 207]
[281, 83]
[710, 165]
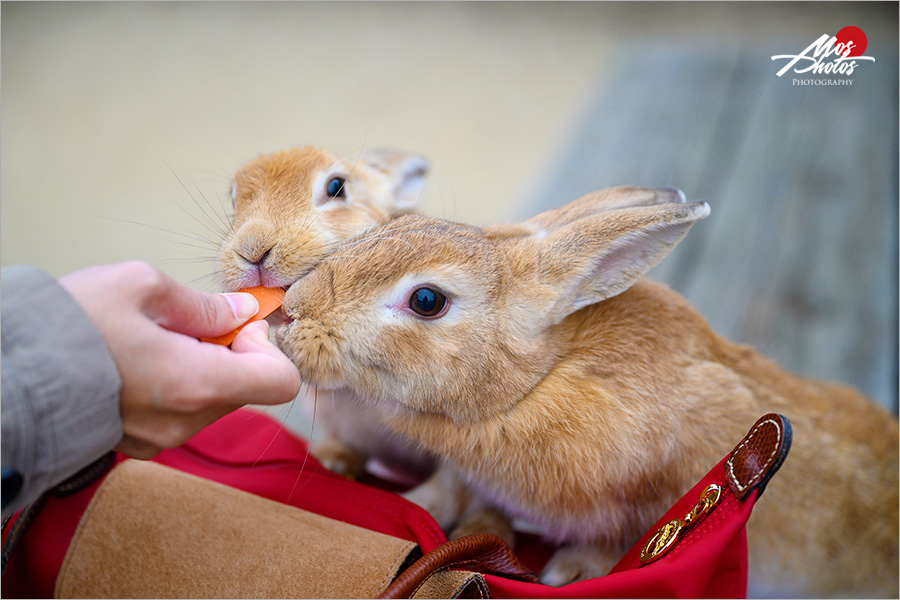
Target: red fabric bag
[249, 451]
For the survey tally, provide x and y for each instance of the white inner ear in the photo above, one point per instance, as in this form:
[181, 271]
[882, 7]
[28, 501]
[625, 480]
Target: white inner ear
[410, 182]
[621, 266]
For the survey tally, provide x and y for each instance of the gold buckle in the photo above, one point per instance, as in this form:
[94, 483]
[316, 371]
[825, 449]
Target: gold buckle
[665, 536]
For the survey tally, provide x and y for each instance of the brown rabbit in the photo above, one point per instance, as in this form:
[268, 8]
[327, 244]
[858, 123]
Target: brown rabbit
[292, 209]
[560, 388]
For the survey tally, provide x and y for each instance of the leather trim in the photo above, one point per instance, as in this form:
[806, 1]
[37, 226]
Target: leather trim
[453, 584]
[481, 552]
[759, 455]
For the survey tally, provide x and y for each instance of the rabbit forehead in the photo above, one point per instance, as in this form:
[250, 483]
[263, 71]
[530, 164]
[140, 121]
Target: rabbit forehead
[408, 245]
[286, 168]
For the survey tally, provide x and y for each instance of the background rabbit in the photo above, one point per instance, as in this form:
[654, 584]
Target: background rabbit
[560, 388]
[292, 209]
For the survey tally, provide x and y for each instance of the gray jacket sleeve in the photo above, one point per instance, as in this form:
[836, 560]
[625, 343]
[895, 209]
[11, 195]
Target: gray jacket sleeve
[60, 386]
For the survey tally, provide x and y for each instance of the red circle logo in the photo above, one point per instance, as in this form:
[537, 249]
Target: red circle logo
[854, 37]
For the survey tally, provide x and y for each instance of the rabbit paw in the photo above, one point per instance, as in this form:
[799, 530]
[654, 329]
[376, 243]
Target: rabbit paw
[438, 505]
[338, 457]
[576, 563]
[485, 521]
[442, 495]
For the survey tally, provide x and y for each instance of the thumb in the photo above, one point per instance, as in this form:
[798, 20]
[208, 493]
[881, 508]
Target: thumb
[198, 314]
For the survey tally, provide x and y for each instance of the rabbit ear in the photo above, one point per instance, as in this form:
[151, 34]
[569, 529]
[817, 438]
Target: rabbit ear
[407, 171]
[612, 198]
[599, 256]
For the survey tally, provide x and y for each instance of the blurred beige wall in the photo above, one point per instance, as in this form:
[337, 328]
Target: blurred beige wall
[121, 121]
[105, 107]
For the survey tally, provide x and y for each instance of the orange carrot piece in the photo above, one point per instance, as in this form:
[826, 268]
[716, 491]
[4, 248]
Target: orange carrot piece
[269, 300]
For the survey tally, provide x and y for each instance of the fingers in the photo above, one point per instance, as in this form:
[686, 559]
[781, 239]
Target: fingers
[108, 292]
[255, 338]
[135, 448]
[267, 367]
[195, 313]
[172, 384]
[155, 430]
[253, 371]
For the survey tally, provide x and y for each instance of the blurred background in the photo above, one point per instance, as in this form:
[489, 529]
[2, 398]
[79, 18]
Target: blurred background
[123, 122]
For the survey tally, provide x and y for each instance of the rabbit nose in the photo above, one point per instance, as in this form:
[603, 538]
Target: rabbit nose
[255, 254]
[253, 249]
[254, 241]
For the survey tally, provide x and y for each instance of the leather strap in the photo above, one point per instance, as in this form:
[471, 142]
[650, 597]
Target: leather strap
[759, 455]
[453, 584]
[481, 552]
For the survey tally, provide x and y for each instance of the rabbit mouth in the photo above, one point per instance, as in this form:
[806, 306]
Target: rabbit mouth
[287, 280]
[313, 348]
[277, 318]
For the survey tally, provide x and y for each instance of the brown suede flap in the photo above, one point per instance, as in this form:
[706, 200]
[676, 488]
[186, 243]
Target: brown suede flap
[153, 532]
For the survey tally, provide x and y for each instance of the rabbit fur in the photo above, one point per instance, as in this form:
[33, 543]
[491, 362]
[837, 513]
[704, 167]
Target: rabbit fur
[285, 222]
[559, 387]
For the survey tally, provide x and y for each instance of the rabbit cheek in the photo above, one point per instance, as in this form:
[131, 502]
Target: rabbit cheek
[408, 366]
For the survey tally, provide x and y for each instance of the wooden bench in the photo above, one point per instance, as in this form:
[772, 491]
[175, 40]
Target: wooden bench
[799, 256]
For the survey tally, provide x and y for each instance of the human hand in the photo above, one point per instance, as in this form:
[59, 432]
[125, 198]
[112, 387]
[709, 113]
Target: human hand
[173, 385]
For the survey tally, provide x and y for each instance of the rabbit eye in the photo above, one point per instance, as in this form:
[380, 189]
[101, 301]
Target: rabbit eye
[428, 302]
[335, 187]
